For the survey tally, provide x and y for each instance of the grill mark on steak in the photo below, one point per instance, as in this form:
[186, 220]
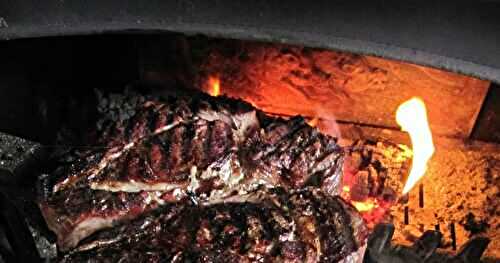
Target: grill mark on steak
[162, 151]
[207, 142]
[175, 158]
[121, 169]
[187, 145]
[166, 116]
[221, 139]
[277, 135]
[199, 144]
[179, 160]
[304, 157]
[275, 132]
[286, 154]
[154, 120]
[182, 110]
[136, 127]
[89, 174]
[270, 226]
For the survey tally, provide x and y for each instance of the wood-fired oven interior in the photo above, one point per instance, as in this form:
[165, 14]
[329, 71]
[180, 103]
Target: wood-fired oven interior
[53, 92]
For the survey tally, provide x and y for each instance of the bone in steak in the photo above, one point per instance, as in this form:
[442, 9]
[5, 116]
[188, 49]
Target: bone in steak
[263, 226]
[205, 148]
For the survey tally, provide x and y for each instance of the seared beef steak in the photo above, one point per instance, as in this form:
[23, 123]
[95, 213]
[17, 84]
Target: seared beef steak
[204, 149]
[76, 213]
[263, 226]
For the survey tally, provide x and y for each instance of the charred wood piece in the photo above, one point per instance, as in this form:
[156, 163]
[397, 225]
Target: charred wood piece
[424, 249]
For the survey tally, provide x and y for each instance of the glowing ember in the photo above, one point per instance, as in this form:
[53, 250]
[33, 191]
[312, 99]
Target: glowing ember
[368, 205]
[362, 206]
[412, 117]
[372, 209]
[214, 85]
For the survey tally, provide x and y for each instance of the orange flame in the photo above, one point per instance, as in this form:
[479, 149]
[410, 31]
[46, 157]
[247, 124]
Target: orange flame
[313, 122]
[412, 117]
[214, 85]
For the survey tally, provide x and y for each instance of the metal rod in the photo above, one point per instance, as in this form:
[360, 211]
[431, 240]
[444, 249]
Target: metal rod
[421, 195]
[407, 216]
[453, 236]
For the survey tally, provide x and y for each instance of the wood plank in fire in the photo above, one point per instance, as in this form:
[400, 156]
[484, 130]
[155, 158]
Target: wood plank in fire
[334, 85]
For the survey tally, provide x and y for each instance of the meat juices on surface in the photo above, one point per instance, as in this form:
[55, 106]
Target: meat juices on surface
[269, 226]
[205, 149]
[78, 213]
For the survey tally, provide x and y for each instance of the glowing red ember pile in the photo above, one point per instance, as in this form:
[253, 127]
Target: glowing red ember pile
[372, 208]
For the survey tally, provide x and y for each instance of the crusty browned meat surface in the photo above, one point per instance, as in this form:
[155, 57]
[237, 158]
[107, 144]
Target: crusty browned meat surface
[76, 213]
[262, 226]
[202, 149]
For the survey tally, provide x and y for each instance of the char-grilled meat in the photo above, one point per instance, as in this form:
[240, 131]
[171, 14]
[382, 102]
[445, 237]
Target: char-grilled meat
[202, 149]
[76, 213]
[263, 226]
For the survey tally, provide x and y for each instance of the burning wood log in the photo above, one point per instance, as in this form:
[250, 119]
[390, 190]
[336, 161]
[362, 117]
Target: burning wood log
[461, 186]
[373, 176]
[331, 85]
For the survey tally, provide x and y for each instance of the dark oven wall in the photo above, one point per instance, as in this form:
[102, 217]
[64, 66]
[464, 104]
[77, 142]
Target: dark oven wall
[457, 37]
[50, 83]
[47, 82]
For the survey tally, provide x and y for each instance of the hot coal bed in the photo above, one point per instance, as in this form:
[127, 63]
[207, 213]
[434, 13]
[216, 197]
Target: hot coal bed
[296, 151]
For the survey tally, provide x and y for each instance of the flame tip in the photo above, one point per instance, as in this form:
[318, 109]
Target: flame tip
[411, 115]
[214, 85]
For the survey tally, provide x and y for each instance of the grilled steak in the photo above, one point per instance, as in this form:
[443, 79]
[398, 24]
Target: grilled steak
[77, 213]
[204, 149]
[263, 226]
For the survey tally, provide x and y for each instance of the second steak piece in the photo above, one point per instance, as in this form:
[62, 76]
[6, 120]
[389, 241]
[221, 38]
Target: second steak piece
[262, 226]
